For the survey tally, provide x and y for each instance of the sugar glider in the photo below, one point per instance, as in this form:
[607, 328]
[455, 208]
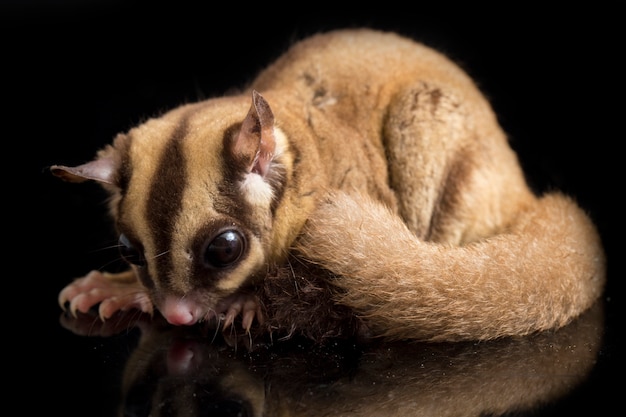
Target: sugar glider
[365, 154]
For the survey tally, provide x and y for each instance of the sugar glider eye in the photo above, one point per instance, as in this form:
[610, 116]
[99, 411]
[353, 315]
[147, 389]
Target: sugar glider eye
[129, 252]
[224, 249]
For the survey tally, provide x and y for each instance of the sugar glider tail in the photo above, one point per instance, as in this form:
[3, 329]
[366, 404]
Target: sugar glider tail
[548, 268]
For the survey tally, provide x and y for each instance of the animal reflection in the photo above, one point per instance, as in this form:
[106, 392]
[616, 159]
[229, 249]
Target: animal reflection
[178, 371]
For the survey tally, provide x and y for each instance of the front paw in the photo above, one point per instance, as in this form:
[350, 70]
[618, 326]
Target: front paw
[247, 305]
[112, 292]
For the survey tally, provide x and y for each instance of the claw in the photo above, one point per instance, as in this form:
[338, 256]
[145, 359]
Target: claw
[114, 292]
[251, 309]
[248, 307]
[138, 300]
[229, 319]
[80, 303]
[248, 319]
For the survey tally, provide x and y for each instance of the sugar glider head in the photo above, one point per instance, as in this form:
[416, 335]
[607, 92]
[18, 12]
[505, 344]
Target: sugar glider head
[193, 195]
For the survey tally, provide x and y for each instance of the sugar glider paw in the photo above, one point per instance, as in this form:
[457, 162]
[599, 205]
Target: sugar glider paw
[111, 292]
[246, 305]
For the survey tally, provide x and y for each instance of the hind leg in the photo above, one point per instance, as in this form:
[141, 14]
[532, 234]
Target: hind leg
[451, 168]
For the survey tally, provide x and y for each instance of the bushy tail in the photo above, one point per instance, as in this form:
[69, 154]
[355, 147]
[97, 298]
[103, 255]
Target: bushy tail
[546, 270]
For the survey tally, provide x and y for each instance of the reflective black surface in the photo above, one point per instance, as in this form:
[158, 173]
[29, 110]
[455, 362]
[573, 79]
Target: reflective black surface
[76, 75]
[160, 370]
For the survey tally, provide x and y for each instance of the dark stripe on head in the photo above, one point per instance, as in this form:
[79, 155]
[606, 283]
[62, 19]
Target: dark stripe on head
[230, 201]
[165, 199]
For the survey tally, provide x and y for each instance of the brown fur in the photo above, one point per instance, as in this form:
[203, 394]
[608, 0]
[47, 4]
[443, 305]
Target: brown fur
[374, 162]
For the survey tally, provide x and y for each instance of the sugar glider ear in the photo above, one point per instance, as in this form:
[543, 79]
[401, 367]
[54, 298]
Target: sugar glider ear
[255, 143]
[103, 169]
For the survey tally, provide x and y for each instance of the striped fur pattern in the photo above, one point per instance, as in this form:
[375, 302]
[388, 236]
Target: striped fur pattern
[360, 165]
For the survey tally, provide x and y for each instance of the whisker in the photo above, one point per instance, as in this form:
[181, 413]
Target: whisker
[94, 323]
[132, 321]
[293, 275]
[160, 254]
[113, 262]
[218, 320]
[115, 245]
[233, 335]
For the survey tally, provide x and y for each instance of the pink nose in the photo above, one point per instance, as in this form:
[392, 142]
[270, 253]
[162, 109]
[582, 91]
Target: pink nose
[180, 311]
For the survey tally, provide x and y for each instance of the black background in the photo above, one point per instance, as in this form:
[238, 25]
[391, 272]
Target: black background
[76, 73]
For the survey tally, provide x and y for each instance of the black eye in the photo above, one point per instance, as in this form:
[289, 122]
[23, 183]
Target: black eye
[225, 249]
[129, 252]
